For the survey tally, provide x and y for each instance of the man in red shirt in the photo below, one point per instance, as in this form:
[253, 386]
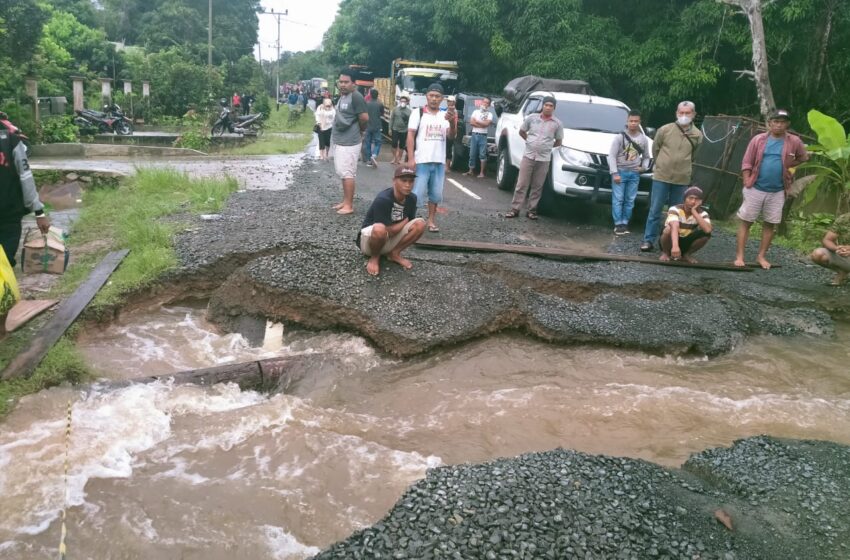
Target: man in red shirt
[767, 177]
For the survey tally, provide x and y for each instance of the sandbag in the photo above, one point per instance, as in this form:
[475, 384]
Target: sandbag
[44, 253]
[9, 293]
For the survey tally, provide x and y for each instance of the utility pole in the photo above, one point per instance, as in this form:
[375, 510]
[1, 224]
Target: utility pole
[277, 16]
[209, 37]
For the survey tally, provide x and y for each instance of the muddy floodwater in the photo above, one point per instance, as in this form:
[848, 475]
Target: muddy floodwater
[162, 471]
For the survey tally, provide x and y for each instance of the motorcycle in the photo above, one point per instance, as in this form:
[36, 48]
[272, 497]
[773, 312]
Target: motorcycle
[246, 124]
[111, 120]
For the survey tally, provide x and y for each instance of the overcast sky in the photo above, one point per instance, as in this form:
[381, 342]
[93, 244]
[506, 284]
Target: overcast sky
[301, 30]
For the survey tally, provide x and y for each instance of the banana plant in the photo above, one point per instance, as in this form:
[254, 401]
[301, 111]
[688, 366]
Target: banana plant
[829, 170]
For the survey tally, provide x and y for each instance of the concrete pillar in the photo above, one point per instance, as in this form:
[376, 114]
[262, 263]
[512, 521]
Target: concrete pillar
[128, 99]
[31, 86]
[146, 99]
[106, 90]
[79, 95]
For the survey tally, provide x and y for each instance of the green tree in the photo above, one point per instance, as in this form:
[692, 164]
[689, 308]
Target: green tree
[21, 23]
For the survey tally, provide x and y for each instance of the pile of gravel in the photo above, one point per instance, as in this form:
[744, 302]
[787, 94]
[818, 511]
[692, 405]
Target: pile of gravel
[566, 504]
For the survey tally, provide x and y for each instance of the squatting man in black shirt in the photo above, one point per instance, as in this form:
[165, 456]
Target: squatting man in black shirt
[391, 225]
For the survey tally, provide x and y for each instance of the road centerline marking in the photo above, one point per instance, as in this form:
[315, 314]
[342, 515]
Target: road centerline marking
[463, 189]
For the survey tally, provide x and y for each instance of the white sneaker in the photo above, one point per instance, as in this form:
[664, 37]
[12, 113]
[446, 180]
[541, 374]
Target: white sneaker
[374, 161]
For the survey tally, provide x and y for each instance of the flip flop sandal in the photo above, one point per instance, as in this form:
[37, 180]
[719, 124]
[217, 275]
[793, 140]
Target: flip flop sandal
[511, 214]
[531, 215]
[433, 229]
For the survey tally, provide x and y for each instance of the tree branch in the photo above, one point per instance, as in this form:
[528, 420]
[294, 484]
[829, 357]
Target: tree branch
[741, 73]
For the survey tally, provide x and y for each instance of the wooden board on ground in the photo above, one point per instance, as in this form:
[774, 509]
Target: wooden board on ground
[25, 310]
[566, 254]
[25, 362]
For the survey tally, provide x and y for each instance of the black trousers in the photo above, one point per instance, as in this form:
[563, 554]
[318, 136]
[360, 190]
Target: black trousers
[10, 238]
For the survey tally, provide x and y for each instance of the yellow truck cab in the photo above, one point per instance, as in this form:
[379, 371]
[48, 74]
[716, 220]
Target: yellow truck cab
[414, 77]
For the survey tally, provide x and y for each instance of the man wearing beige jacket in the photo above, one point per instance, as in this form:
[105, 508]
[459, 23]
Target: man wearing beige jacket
[673, 149]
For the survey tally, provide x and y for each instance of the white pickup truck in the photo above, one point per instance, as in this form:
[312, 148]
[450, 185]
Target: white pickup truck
[580, 166]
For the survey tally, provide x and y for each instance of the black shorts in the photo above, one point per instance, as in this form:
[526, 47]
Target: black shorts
[399, 139]
[686, 242]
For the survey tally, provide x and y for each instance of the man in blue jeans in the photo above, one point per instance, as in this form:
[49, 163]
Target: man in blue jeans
[627, 159]
[372, 140]
[480, 122]
[673, 149]
[426, 148]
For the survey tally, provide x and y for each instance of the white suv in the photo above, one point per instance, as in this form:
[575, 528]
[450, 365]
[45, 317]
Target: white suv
[580, 166]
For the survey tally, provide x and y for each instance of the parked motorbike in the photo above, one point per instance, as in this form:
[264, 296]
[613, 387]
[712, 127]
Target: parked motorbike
[112, 119]
[246, 124]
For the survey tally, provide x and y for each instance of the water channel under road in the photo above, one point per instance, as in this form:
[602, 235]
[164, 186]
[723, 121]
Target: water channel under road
[164, 471]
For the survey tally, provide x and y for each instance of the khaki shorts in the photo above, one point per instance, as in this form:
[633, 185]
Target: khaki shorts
[366, 235]
[768, 205]
[345, 160]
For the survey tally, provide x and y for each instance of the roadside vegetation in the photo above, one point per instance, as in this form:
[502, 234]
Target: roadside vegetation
[297, 126]
[142, 214]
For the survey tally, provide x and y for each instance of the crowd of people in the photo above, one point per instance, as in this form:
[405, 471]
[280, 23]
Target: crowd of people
[352, 130]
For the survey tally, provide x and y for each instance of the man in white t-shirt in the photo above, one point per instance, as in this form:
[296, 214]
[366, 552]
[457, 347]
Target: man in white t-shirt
[480, 122]
[427, 132]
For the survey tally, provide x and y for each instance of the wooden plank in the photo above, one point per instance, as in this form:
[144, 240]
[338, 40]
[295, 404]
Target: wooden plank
[567, 254]
[248, 375]
[25, 362]
[25, 310]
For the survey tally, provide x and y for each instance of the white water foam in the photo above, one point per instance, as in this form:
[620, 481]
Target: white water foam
[109, 430]
[284, 546]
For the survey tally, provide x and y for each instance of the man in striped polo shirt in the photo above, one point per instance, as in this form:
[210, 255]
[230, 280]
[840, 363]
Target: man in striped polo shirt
[687, 229]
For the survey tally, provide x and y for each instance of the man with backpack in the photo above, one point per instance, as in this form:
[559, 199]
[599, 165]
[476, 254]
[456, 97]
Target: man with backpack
[18, 195]
[427, 132]
[673, 149]
[627, 158]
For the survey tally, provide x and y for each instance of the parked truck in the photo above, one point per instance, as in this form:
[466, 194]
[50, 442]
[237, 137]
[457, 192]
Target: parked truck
[413, 78]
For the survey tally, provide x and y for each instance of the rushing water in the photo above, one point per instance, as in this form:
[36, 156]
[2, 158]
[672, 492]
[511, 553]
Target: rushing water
[162, 471]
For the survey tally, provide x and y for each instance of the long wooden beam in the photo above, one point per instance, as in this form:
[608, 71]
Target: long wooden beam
[25, 362]
[567, 254]
[259, 374]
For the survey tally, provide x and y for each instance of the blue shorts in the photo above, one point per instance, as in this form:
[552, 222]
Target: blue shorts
[429, 178]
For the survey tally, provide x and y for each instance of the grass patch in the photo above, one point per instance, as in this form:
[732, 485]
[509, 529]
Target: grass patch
[280, 121]
[129, 216]
[300, 123]
[803, 233]
[270, 145]
[62, 363]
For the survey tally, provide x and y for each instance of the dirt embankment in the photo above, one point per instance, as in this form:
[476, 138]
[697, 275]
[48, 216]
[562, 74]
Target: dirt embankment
[285, 255]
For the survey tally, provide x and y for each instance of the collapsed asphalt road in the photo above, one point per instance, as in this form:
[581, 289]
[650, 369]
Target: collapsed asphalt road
[285, 255]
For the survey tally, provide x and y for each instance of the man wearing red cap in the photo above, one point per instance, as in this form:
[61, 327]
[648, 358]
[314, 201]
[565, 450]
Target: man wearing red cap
[391, 225]
[687, 228]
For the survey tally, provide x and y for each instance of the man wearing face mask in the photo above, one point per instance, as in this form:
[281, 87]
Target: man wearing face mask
[673, 150]
[398, 127]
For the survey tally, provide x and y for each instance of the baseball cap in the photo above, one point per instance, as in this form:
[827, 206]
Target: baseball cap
[780, 114]
[404, 171]
[436, 87]
[695, 191]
